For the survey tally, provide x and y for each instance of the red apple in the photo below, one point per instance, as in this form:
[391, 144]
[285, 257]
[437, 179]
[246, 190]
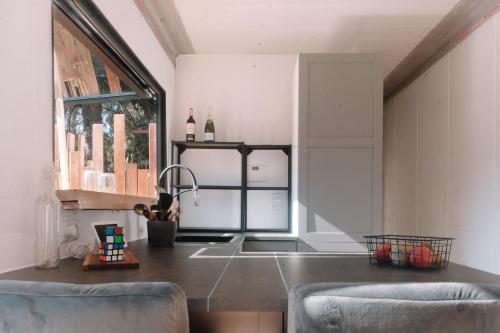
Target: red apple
[421, 257]
[383, 253]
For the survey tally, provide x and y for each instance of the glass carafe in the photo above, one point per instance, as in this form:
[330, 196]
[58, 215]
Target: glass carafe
[47, 239]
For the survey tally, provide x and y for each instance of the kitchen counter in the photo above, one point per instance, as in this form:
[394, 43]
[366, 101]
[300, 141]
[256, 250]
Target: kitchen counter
[222, 278]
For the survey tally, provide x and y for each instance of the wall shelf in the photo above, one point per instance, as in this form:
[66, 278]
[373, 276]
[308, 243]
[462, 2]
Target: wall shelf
[267, 188]
[81, 199]
[208, 187]
[183, 145]
[179, 147]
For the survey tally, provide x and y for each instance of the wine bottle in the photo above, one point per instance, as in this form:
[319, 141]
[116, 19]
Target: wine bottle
[209, 127]
[190, 127]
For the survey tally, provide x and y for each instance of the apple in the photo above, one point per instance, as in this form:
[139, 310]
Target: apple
[400, 254]
[426, 244]
[421, 257]
[438, 259]
[382, 253]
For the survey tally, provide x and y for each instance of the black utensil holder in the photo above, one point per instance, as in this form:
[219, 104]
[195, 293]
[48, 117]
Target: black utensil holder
[161, 233]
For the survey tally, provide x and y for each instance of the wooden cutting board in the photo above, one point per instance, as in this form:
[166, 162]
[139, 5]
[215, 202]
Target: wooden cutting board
[92, 262]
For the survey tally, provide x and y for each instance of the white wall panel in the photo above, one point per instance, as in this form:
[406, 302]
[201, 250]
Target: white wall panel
[251, 96]
[267, 209]
[212, 166]
[432, 178]
[217, 210]
[406, 160]
[275, 166]
[472, 115]
[497, 148]
[389, 170]
[471, 130]
[472, 248]
[458, 159]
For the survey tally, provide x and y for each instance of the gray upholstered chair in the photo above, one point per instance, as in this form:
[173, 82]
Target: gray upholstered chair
[397, 307]
[71, 308]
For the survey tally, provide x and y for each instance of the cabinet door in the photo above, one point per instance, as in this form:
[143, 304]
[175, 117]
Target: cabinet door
[339, 149]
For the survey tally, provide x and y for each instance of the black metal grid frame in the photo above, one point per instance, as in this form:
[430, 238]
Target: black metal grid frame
[178, 147]
[287, 149]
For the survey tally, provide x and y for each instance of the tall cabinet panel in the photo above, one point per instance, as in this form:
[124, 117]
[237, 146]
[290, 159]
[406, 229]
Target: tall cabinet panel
[339, 149]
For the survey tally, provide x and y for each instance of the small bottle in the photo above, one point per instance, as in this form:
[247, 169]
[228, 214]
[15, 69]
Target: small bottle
[190, 127]
[209, 127]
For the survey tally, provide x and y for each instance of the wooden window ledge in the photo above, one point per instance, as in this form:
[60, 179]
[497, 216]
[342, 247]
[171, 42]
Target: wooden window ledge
[81, 199]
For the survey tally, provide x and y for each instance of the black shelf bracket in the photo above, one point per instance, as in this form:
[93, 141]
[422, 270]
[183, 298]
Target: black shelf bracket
[181, 149]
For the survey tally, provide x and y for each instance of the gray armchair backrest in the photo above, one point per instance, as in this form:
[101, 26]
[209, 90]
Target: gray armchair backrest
[71, 308]
[394, 307]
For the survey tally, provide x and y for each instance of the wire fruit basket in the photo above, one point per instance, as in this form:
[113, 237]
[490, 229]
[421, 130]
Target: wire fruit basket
[420, 252]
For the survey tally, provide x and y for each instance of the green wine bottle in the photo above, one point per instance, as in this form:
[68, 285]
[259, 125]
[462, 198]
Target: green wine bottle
[209, 127]
[190, 127]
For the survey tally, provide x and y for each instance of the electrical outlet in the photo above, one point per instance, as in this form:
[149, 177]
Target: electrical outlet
[257, 173]
[276, 201]
[70, 232]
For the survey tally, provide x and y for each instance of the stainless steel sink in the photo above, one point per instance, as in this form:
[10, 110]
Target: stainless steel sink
[203, 239]
[282, 244]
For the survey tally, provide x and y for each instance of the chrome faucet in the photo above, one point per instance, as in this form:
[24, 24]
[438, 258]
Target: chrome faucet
[193, 179]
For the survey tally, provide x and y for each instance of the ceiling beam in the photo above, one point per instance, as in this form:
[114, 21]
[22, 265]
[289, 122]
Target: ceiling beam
[164, 19]
[459, 23]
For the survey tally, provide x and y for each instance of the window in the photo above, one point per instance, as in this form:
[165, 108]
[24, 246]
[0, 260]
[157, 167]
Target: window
[109, 119]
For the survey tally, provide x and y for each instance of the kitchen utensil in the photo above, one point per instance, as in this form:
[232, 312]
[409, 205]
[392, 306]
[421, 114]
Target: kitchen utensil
[165, 201]
[142, 209]
[139, 208]
[174, 211]
[155, 209]
[160, 189]
[163, 214]
[150, 215]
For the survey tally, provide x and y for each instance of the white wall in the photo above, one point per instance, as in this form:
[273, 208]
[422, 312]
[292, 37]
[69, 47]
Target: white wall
[26, 94]
[441, 159]
[251, 96]
[252, 99]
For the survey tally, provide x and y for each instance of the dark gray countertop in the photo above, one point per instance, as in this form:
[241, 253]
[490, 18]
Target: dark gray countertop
[221, 278]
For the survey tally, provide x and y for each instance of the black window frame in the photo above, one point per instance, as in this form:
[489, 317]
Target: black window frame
[87, 17]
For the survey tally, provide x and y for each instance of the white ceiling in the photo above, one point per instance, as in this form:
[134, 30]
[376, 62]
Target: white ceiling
[393, 27]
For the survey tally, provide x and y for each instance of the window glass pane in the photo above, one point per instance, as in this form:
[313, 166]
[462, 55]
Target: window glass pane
[105, 132]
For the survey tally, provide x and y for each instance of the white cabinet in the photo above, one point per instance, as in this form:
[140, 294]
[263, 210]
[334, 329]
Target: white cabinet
[339, 148]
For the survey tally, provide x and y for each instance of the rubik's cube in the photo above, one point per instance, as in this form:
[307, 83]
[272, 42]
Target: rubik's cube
[113, 248]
